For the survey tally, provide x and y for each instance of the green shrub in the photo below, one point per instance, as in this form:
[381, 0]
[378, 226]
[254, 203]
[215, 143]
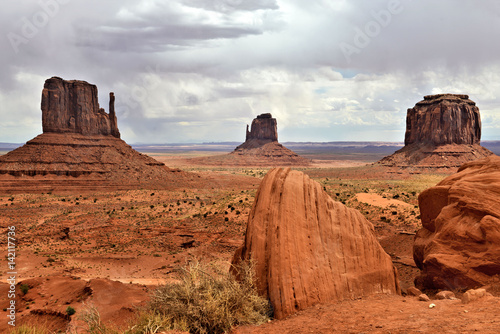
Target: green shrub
[70, 311]
[206, 300]
[24, 288]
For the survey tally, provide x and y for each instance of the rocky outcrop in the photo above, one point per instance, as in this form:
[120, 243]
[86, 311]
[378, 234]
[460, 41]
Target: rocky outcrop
[72, 107]
[442, 131]
[309, 249]
[80, 148]
[264, 127]
[459, 244]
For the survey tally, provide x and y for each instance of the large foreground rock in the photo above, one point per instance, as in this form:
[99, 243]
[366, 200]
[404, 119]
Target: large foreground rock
[442, 131]
[459, 244]
[309, 249]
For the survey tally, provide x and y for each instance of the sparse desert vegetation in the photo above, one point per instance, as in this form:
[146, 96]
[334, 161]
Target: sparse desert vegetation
[146, 238]
[206, 299]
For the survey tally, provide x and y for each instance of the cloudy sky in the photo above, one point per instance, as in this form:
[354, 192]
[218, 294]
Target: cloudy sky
[200, 70]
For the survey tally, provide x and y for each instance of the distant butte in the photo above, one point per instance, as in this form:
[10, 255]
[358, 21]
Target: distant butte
[442, 131]
[80, 147]
[261, 145]
[260, 149]
[264, 128]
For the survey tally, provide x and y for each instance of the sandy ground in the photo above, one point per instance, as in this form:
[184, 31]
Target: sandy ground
[390, 314]
[111, 248]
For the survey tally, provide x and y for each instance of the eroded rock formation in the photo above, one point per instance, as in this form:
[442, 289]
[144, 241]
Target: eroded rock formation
[443, 119]
[79, 147]
[459, 244]
[264, 127]
[309, 249]
[261, 146]
[441, 131]
[72, 106]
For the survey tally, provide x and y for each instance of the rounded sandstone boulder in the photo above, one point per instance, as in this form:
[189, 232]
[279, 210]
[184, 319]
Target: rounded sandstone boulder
[309, 249]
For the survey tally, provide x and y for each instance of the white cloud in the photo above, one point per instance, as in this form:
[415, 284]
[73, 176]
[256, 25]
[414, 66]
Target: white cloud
[214, 65]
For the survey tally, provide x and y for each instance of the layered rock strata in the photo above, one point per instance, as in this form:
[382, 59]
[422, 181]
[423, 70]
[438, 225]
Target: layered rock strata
[458, 246]
[441, 131]
[309, 249]
[444, 119]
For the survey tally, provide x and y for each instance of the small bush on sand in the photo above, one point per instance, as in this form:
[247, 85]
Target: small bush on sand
[206, 300]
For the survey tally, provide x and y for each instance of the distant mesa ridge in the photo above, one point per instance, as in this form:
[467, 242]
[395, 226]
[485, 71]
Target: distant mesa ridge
[442, 130]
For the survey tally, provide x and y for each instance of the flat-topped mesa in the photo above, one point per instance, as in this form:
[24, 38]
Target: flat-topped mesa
[264, 127]
[443, 119]
[72, 107]
[442, 131]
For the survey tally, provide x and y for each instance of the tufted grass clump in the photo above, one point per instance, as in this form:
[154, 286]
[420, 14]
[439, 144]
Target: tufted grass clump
[206, 299]
[29, 329]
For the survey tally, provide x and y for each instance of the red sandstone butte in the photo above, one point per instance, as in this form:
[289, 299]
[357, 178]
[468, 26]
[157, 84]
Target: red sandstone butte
[72, 106]
[442, 131]
[309, 249]
[80, 148]
[261, 146]
[264, 127]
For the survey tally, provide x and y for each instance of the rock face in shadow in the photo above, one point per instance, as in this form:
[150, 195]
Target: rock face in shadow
[72, 106]
[309, 249]
[264, 127]
[442, 131]
[459, 244]
[79, 148]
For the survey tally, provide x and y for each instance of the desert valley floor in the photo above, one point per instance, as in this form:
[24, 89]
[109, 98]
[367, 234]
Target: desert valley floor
[113, 247]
